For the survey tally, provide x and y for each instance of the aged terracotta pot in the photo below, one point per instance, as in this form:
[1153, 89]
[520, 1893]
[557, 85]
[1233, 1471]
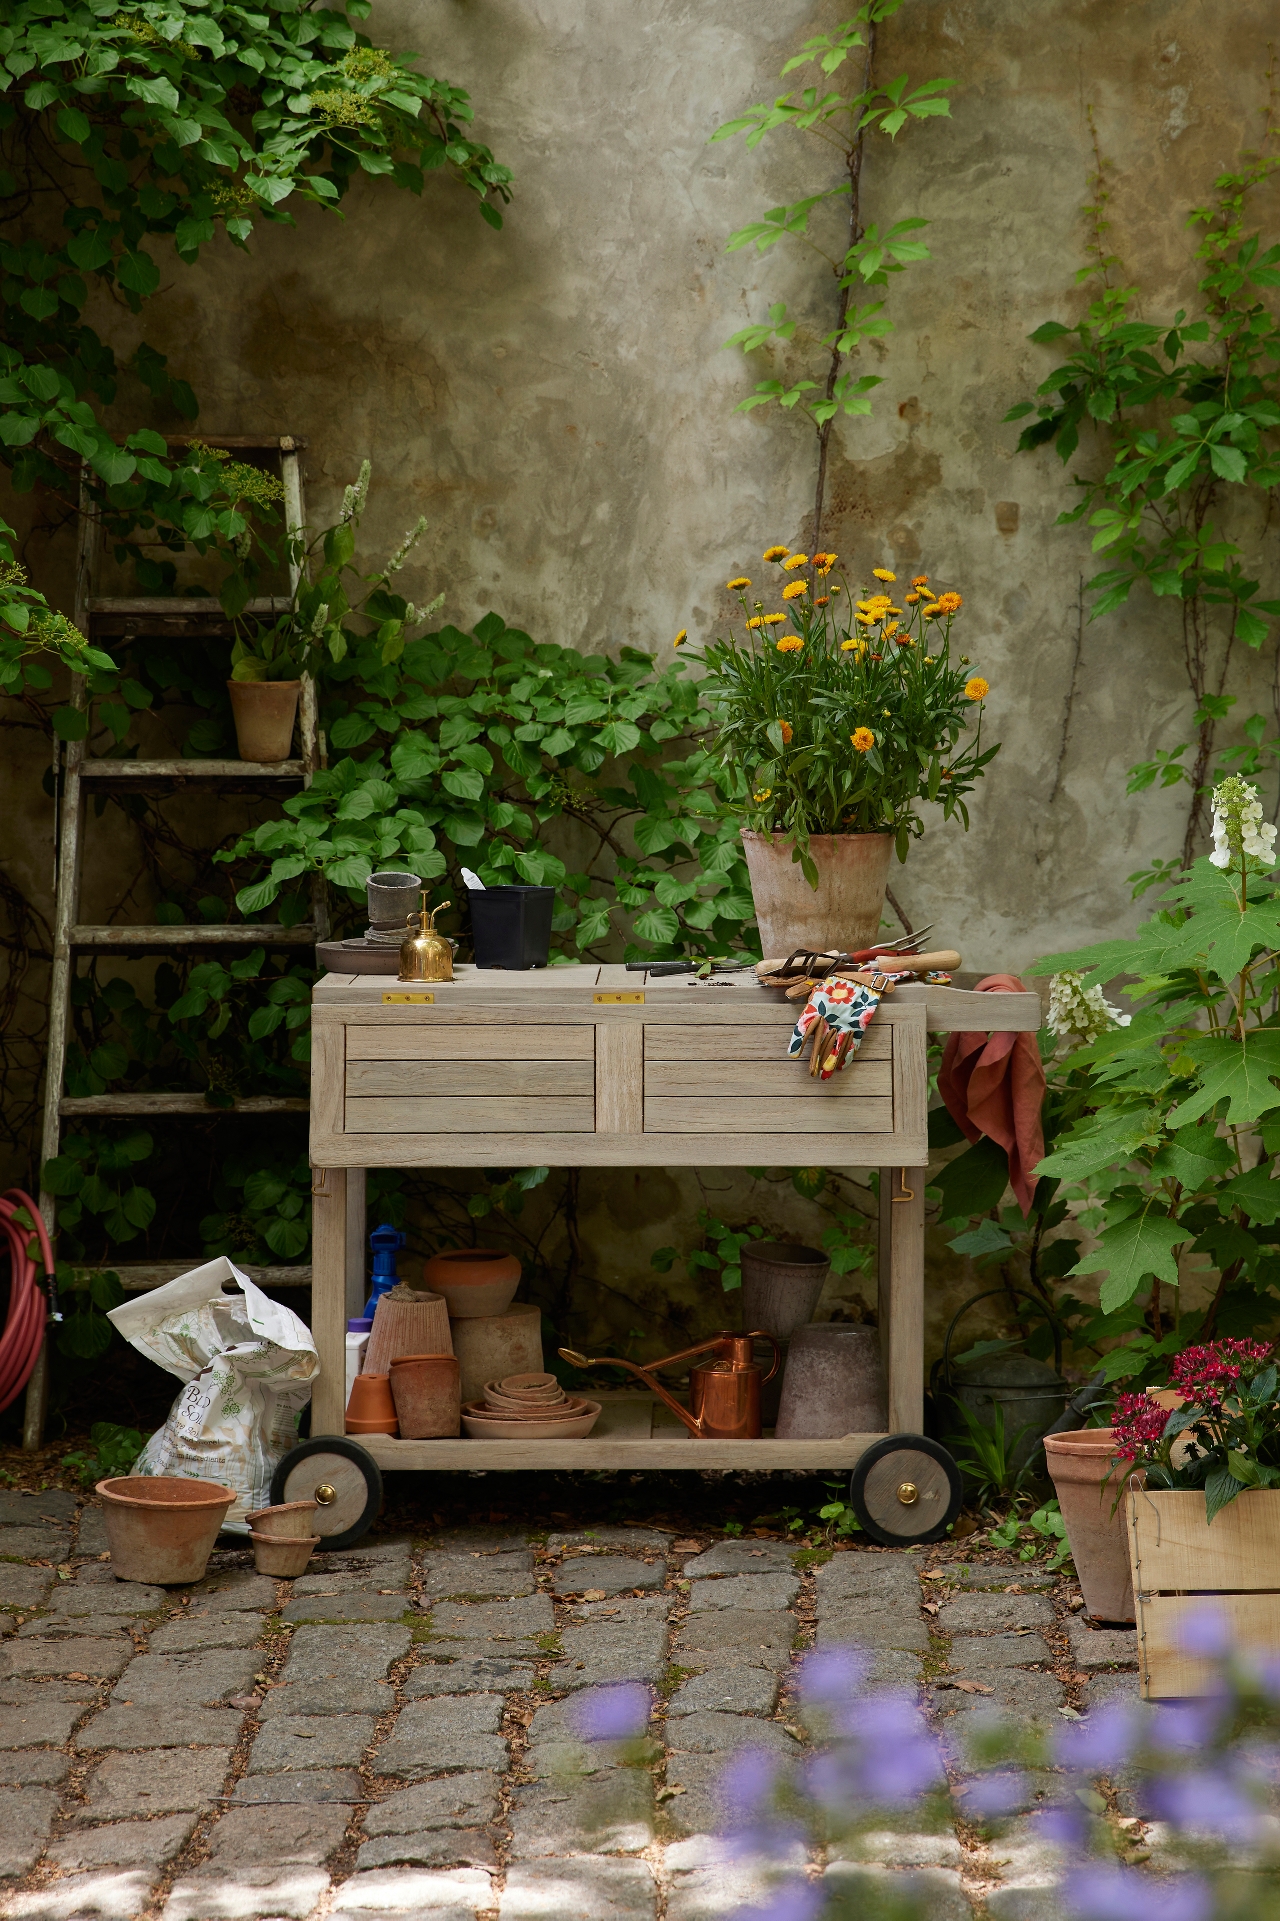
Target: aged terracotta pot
[491, 1346]
[283, 1556]
[264, 712]
[427, 1392]
[1079, 1465]
[371, 1410]
[473, 1280]
[845, 911]
[290, 1521]
[160, 1527]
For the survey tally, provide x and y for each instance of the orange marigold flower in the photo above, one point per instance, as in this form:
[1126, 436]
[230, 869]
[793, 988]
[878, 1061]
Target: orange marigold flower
[863, 739]
[823, 600]
[790, 644]
[919, 580]
[774, 553]
[912, 599]
[854, 642]
[868, 620]
[793, 561]
[796, 588]
[882, 573]
[977, 688]
[950, 603]
[787, 731]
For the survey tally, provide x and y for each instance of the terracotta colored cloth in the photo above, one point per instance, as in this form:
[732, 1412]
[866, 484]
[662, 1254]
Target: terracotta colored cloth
[993, 1084]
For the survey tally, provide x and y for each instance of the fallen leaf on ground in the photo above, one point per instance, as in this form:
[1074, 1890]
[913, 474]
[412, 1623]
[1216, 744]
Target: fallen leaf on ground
[594, 1594]
[665, 1794]
[685, 1547]
[971, 1687]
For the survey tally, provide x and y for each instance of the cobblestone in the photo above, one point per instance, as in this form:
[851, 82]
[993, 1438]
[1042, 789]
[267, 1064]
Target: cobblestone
[613, 1813]
[25, 1510]
[233, 1588]
[479, 1675]
[336, 1785]
[457, 1731]
[457, 1894]
[198, 1628]
[137, 1728]
[24, 1587]
[707, 1732]
[33, 1543]
[33, 1767]
[935, 1894]
[125, 1844]
[501, 1622]
[607, 1573]
[741, 1557]
[579, 1890]
[185, 1680]
[603, 1652]
[454, 1801]
[26, 1815]
[303, 1741]
[37, 1724]
[989, 1612]
[998, 1650]
[101, 1658]
[435, 1848]
[338, 1670]
[475, 1576]
[627, 1540]
[132, 1784]
[112, 1895]
[758, 1593]
[735, 1690]
[1095, 1649]
[732, 1638]
[338, 1608]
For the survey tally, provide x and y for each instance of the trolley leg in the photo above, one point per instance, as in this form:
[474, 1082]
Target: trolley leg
[329, 1296]
[901, 1277]
[357, 1242]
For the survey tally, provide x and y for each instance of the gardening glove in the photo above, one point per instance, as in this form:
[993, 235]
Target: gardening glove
[837, 1014]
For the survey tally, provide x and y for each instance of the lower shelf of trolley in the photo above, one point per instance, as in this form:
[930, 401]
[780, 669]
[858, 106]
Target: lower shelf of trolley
[634, 1431]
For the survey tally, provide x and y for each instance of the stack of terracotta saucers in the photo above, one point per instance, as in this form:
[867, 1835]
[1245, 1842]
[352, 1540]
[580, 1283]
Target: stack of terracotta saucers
[528, 1407]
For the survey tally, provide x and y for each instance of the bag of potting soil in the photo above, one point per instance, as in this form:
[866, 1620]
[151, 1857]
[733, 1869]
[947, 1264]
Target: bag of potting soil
[247, 1365]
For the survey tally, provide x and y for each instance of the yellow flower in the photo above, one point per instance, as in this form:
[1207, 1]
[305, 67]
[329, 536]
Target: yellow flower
[950, 603]
[931, 613]
[793, 561]
[863, 739]
[774, 553]
[919, 580]
[796, 588]
[683, 635]
[763, 794]
[882, 573]
[868, 620]
[823, 600]
[787, 731]
[741, 581]
[912, 599]
[977, 688]
[890, 630]
[790, 644]
[771, 620]
[858, 645]
[757, 620]
[825, 562]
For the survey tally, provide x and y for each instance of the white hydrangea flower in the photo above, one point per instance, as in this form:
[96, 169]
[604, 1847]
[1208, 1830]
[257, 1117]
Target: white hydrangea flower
[1074, 1009]
[1238, 826]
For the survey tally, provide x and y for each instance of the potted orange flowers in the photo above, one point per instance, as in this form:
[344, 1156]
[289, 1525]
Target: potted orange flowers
[837, 714]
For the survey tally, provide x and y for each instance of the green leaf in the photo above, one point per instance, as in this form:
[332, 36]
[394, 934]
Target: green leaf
[1255, 1193]
[1126, 1253]
[988, 1237]
[1196, 1157]
[1239, 1072]
[974, 1182]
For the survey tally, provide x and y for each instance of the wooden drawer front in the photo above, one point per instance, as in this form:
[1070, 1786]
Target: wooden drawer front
[461, 1042]
[703, 1080]
[477, 1079]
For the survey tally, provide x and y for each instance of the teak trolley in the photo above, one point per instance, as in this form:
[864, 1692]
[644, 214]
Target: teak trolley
[596, 1066]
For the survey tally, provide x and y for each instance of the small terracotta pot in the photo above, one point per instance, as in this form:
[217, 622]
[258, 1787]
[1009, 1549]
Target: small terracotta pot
[160, 1527]
[264, 712]
[473, 1280]
[371, 1409]
[427, 1389]
[291, 1521]
[1079, 1465]
[285, 1558]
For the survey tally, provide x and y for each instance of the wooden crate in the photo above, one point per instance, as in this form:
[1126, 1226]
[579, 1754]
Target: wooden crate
[1181, 1566]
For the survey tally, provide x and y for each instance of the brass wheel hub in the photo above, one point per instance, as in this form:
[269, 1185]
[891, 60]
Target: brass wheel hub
[326, 1494]
[908, 1493]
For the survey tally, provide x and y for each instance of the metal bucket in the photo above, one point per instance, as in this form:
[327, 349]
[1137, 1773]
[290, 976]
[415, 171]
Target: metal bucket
[1030, 1394]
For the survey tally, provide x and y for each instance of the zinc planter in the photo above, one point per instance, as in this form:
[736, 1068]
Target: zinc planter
[846, 909]
[160, 1527]
[264, 712]
[1079, 1465]
[1183, 1567]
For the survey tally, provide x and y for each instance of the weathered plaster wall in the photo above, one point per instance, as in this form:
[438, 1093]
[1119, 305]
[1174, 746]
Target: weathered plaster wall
[556, 399]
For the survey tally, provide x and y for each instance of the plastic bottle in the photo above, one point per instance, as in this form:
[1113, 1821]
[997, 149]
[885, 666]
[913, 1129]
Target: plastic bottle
[386, 1242]
[358, 1332]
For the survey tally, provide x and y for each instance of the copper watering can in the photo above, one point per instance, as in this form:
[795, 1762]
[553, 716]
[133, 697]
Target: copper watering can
[724, 1393]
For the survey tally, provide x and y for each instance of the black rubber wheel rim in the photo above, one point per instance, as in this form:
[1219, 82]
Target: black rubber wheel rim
[906, 1490]
[341, 1477]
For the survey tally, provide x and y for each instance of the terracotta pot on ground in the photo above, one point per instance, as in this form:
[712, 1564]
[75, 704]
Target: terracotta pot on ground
[1079, 1464]
[283, 1556]
[473, 1280]
[834, 1383]
[160, 1527]
[845, 911]
[491, 1346]
[290, 1521]
[264, 712]
[371, 1410]
[427, 1392]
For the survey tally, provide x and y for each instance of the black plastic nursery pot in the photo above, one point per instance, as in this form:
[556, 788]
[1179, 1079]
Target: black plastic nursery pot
[511, 926]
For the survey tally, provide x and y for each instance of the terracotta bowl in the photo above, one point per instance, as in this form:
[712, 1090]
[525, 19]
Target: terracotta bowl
[474, 1280]
[290, 1521]
[514, 1418]
[482, 1427]
[285, 1558]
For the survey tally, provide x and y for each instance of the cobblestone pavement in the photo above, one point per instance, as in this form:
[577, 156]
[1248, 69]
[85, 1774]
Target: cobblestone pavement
[390, 1735]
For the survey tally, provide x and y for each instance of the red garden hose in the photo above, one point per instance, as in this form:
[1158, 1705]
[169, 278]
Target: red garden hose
[24, 1323]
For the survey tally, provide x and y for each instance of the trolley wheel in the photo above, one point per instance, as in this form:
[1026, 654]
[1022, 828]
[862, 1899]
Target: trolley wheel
[341, 1477]
[906, 1490]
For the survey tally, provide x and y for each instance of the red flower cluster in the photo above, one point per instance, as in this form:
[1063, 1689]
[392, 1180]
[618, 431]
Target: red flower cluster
[1137, 1423]
[1205, 1373]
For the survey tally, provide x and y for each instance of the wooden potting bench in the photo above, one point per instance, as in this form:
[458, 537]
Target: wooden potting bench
[594, 1066]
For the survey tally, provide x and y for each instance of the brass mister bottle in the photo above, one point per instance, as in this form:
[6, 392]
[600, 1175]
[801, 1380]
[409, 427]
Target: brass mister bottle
[424, 954]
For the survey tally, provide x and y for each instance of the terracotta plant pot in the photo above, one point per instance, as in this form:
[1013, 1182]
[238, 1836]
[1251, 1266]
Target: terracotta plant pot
[428, 1395]
[283, 1557]
[845, 911]
[264, 712]
[160, 1527]
[371, 1410]
[1079, 1464]
[494, 1345]
[834, 1383]
[482, 1424]
[291, 1521]
[473, 1280]
[407, 1321]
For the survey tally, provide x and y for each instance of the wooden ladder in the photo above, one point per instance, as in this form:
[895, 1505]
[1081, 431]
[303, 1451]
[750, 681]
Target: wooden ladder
[104, 621]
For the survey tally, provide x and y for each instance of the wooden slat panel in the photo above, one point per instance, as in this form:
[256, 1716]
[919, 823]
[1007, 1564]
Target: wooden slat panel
[711, 1116]
[328, 1297]
[178, 1104]
[509, 1117]
[1172, 1550]
[327, 1070]
[1167, 1670]
[447, 1039]
[601, 1451]
[740, 1043]
[131, 771]
[269, 934]
[469, 1079]
[445, 1148]
[910, 1077]
[755, 1079]
[901, 1303]
[619, 1079]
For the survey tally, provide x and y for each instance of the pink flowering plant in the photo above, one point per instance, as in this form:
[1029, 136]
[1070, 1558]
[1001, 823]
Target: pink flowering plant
[1229, 1424]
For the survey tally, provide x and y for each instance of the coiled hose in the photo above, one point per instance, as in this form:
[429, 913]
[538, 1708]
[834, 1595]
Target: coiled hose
[24, 1322]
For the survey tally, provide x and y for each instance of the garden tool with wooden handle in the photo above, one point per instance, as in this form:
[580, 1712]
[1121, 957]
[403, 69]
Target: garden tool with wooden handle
[944, 962]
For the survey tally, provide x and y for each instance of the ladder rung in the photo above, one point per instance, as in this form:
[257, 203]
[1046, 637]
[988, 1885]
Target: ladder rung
[178, 1104]
[177, 608]
[272, 934]
[136, 1277]
[262, 443]
[193, 770]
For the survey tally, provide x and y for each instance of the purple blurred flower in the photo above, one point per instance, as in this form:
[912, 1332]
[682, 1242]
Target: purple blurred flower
[1121, 1894]
[792, 1900]
[995, 1794]
[1067, 1825]
[1106, 1738]
[834, 1676]
[750, 1823]
[1185, 1725]
[1207, 1632]
[1208, 1803]
[887, 1757]
[619, 1713]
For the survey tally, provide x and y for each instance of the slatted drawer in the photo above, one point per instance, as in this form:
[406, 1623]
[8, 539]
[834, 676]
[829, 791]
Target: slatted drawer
[470, 1079]
[737, 1080]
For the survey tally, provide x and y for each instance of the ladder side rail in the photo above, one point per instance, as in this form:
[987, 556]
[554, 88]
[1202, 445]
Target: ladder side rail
[295, 517]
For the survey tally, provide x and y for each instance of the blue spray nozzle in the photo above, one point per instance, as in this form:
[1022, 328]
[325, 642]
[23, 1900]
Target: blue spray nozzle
[386, 1242]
